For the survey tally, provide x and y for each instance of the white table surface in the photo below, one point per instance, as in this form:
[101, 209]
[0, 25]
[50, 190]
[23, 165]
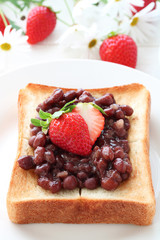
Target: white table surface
[148, 53]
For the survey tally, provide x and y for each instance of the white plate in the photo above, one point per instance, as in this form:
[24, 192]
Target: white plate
[72, 73]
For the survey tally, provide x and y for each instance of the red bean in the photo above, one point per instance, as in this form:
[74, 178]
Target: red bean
[55, 97]
[39, 155]
[51, 147]
[79, 92]
[42, 170]
[62, 174]
[53, 110]
[86, 97]
[55, 185]
[40, 140]
[119, 165]
[96, 154]
[105, 100]
[31, 141]
[119, 153]
[61, 103]
[82, 175]
[43, 182]
[70, 183]
[107, 153]
[119, 114]
[91, 183]
[109, 111]
[26, 162]
[109, 183]
[70, 95]
[35, 130]
[49, 156]
[127, 110]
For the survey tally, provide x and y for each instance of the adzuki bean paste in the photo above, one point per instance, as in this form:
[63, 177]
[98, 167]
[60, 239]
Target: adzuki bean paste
[107, 166]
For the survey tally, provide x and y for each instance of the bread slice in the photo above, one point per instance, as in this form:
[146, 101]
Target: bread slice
[132, 202]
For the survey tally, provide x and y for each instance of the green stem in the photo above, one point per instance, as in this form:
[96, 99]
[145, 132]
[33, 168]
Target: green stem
[69, 11]
[3, 18]
[63, 22]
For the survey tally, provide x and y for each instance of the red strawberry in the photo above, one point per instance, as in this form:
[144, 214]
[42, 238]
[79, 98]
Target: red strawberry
[119, 49]
[41, 22]
[146, 3]
[70, 132]
[93, 117]
[2, 25]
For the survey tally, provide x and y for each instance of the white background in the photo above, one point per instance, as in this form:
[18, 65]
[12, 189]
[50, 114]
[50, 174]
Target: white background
[148, 53]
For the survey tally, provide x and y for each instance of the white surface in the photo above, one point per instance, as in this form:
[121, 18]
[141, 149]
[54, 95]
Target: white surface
[86, 74]
[148, 53]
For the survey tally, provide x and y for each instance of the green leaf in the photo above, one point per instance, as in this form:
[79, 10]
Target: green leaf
[67, 104]
[36, 122]
[44, 115]
[44, 130]
[99, 108]
[44, 123]
[57, 114]
[22, 4]
[104, 1]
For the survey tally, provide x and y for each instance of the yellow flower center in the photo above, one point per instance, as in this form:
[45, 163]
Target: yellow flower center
[92, 43]
[5, 46]
[117, 0]
[134, 21]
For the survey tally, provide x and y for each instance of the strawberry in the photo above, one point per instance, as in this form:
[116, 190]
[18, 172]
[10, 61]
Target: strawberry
[146, 3]
[2, 25]
[70, 132]
[93, 117]
[119, 49]
[41, 22]
[73, 128]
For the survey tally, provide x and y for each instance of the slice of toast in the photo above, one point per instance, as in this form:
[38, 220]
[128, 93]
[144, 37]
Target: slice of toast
[132, 202]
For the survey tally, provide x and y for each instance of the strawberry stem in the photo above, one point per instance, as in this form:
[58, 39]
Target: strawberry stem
[69, 11]
[67, 24]
[3, 18]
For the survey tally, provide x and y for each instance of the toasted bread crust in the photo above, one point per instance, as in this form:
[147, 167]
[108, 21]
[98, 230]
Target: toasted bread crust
[133, 201]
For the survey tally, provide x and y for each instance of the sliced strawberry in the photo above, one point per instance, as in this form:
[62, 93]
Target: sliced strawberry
[70, 132]
[93, 117]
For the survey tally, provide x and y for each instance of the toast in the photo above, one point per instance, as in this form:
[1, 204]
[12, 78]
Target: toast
[132, 202]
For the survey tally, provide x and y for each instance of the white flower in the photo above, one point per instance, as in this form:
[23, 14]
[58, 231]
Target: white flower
[73, 37]
[86, 13]
[121, 8]
[142, 25]
[80, 37]
[11, 38]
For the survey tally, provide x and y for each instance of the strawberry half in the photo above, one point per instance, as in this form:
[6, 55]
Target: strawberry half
[93, 117]
[70, 132]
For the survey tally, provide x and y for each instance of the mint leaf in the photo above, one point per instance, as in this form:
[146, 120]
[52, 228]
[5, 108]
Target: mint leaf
[44, 124]
[36, 122]
[44, 115]
[67, 104]
[57, 114]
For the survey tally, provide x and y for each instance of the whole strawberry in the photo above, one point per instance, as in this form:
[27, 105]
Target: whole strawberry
[41, 22]
[2, 25]
[70, 132]
[146, 3]
[119, 49]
